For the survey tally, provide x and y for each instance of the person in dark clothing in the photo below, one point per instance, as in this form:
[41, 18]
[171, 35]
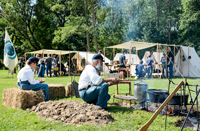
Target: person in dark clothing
[42, 67]
[70, 65]
[48, 61]
[122, 64]
[140, 72]
[62, 67]
[21, 63]
[149, 67]
[170, 62]
[55, 59]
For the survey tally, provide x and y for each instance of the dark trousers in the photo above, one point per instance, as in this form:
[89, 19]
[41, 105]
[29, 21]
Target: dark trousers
[96, 94]
[25, 85]
[48, 68]
[41, 71]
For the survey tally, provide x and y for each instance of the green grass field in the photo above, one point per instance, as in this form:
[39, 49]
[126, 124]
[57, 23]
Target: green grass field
[125, 118]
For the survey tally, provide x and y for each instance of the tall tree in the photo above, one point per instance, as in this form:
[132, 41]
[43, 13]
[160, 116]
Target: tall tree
[93, 23]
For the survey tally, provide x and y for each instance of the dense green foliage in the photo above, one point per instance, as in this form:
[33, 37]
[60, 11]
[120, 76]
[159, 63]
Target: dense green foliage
[89, 25]
[126, 119]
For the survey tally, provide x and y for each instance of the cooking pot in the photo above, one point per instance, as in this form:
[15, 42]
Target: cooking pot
[177, 99]
[157, 95]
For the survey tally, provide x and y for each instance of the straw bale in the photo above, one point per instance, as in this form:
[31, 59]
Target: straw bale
[22, 99]
[56, 91]
[70, 90]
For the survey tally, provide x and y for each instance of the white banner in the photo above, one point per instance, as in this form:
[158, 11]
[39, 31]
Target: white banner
[10, 56]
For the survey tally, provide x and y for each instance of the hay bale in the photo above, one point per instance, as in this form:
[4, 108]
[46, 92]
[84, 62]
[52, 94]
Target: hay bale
[56, 91]
[70, 90]
[22, 99]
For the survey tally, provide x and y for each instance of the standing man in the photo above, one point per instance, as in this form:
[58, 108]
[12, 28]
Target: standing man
[55, 59]
[92, 88]
[170, 62]
[42, 67]
[36, 70]
[26, 80]
[48, 61]
[152, 56]
[149, 67]
[122, 64]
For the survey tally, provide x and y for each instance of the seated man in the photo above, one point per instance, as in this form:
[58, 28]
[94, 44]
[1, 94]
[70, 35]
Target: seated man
[92, 88]
[26, 81]
[140, 72]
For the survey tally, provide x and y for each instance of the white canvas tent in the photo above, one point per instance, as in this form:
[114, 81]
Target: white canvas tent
[134, 60]
[187, 67]
[157, 56]
[88, 59]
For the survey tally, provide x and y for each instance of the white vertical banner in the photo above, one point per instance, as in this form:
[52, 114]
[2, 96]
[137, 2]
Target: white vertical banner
[10, 56]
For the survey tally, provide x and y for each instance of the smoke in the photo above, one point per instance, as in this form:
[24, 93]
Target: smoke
[124, 10]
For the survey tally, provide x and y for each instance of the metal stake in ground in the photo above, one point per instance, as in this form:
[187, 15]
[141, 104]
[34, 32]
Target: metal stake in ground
[146, 126]
[190, 110]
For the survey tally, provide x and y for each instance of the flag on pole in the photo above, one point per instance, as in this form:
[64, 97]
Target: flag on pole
[10, 56]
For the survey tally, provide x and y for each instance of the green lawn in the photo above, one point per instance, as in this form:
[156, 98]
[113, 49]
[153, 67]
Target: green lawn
[125, 118]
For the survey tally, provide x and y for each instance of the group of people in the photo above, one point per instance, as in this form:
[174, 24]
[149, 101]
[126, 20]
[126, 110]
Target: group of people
[141, 71]
[45, 62]
[92, 88]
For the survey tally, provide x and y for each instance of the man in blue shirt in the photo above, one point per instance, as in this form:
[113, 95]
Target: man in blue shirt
[149, 67]
[122, 64]
[140, 72]
[170, 62]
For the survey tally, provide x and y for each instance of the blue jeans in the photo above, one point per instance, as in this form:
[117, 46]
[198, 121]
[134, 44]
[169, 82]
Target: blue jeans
[97, 95]
[149, 72]
[142, 74]
[48, 68]
[170, 67]
[25, 85]
[41, 71]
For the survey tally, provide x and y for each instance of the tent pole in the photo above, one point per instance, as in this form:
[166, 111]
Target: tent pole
[113, 53]
[158, 57]
[69, 64]
[174, 58]
[130, 60]
[136, 56]
[181, 59]
[25, 57]
[78, 62]
[188, 61]
[60, 62]
[104, 62]
[86, 57]
[43, 53]
[166, 61]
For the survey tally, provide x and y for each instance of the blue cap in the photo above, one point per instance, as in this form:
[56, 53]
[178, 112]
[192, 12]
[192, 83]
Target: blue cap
[33, 59]
[97, 57]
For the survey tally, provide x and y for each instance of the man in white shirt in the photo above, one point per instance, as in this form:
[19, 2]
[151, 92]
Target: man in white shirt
[26, 80]
[92, 88]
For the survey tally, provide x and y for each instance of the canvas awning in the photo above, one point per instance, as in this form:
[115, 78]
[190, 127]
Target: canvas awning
[46, 51]
[130, 44]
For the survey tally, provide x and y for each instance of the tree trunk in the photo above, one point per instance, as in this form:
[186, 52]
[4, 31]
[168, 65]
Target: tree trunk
[93, 22]
[157, 12]
[111, 12]
[169, 21]
[87, 32]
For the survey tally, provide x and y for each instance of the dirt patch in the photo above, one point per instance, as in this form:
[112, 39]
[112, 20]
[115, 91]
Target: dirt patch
[72, 112]
[180, 122]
